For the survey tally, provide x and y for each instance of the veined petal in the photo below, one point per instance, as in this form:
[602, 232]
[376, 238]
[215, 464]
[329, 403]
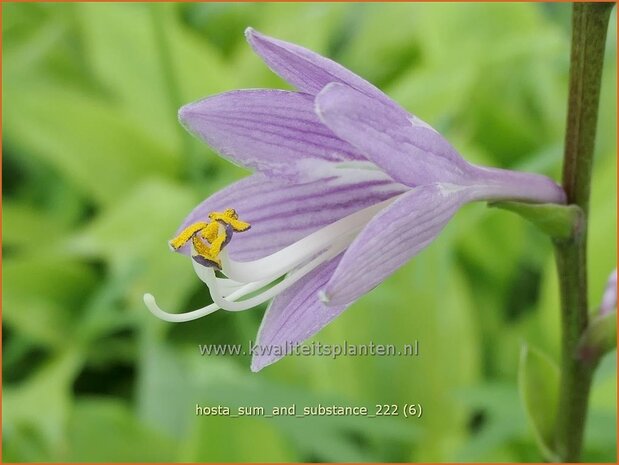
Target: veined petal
[294, 316]
[282, 213]
[306, 70]
[392, 238]
[271, 131]
[409, 150]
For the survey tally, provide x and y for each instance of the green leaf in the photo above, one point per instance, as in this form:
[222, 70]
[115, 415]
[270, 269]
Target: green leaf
[42, 295]
[91, 142]
[137, 76]
[538, 382]
[164, 376]
[35, 411]
[505, 425]
[105, 430]
[255, 439]
[558, 221]
[327, 438]
[23, 224]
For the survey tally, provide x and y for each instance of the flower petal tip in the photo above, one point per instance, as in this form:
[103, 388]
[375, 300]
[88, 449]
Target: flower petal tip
[255, 38]
[249, 32]
[255, 367]
[324, 297]
[334, 86]
[259, 362]
[330, 298]
[185, 114]
[322, 102]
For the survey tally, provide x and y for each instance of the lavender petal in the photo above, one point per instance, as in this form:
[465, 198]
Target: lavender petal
[271, 131]
[392, 238]
[306, 70]
[294, 316]
[497, 184]
[282, 213]
[409, 151]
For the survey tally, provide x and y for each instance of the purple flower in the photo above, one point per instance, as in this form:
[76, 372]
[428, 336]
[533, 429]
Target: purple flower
[348, 186]
[609, 299]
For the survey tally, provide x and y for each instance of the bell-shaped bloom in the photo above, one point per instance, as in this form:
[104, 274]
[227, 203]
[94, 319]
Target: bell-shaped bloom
[348, 186]
[609, 299]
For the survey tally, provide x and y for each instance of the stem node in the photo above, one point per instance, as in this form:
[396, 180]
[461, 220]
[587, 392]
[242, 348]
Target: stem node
[589, 26]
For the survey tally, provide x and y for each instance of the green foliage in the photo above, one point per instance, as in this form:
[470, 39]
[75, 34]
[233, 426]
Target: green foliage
[538, 382]
[98, 174]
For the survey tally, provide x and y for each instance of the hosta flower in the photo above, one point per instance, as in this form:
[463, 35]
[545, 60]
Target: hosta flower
[348, 186]
[609, 299]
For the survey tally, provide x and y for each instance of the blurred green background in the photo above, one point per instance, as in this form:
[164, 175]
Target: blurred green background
[96, 180]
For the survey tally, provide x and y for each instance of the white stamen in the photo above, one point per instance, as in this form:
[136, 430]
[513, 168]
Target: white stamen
[227, 286]
[289, 257]
[151, 303]
[293, 262]
[208, 276]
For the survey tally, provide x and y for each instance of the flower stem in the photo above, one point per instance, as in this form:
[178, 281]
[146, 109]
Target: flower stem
[589, 26]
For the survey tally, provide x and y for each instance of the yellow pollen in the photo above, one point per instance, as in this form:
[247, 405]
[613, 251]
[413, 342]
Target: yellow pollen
[187, 234]
[211, 231]
[205, 251]
[231, 217]
[214, 232]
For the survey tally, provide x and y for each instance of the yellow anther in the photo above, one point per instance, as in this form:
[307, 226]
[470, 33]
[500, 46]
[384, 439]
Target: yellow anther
[211, 231]
[231, 217]
[217, 244]
[206, 252]
[231, 212]
[187, 234]
[216, 232]
[200, 247]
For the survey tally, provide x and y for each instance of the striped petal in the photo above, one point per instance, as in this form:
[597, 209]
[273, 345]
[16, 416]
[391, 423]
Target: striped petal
[282, 213]
[408, 149]
[392, 238]
[272, 131]
[306, 70]
[294, 316]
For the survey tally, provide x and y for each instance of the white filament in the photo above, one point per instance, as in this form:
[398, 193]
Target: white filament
[292, 263]
[208, 277]
[151, 303]
[284, 260]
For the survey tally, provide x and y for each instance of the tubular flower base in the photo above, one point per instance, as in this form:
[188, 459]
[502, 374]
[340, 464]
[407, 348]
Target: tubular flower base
[348, 186]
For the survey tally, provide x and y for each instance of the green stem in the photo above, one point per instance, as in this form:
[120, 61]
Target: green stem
[589, 26]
